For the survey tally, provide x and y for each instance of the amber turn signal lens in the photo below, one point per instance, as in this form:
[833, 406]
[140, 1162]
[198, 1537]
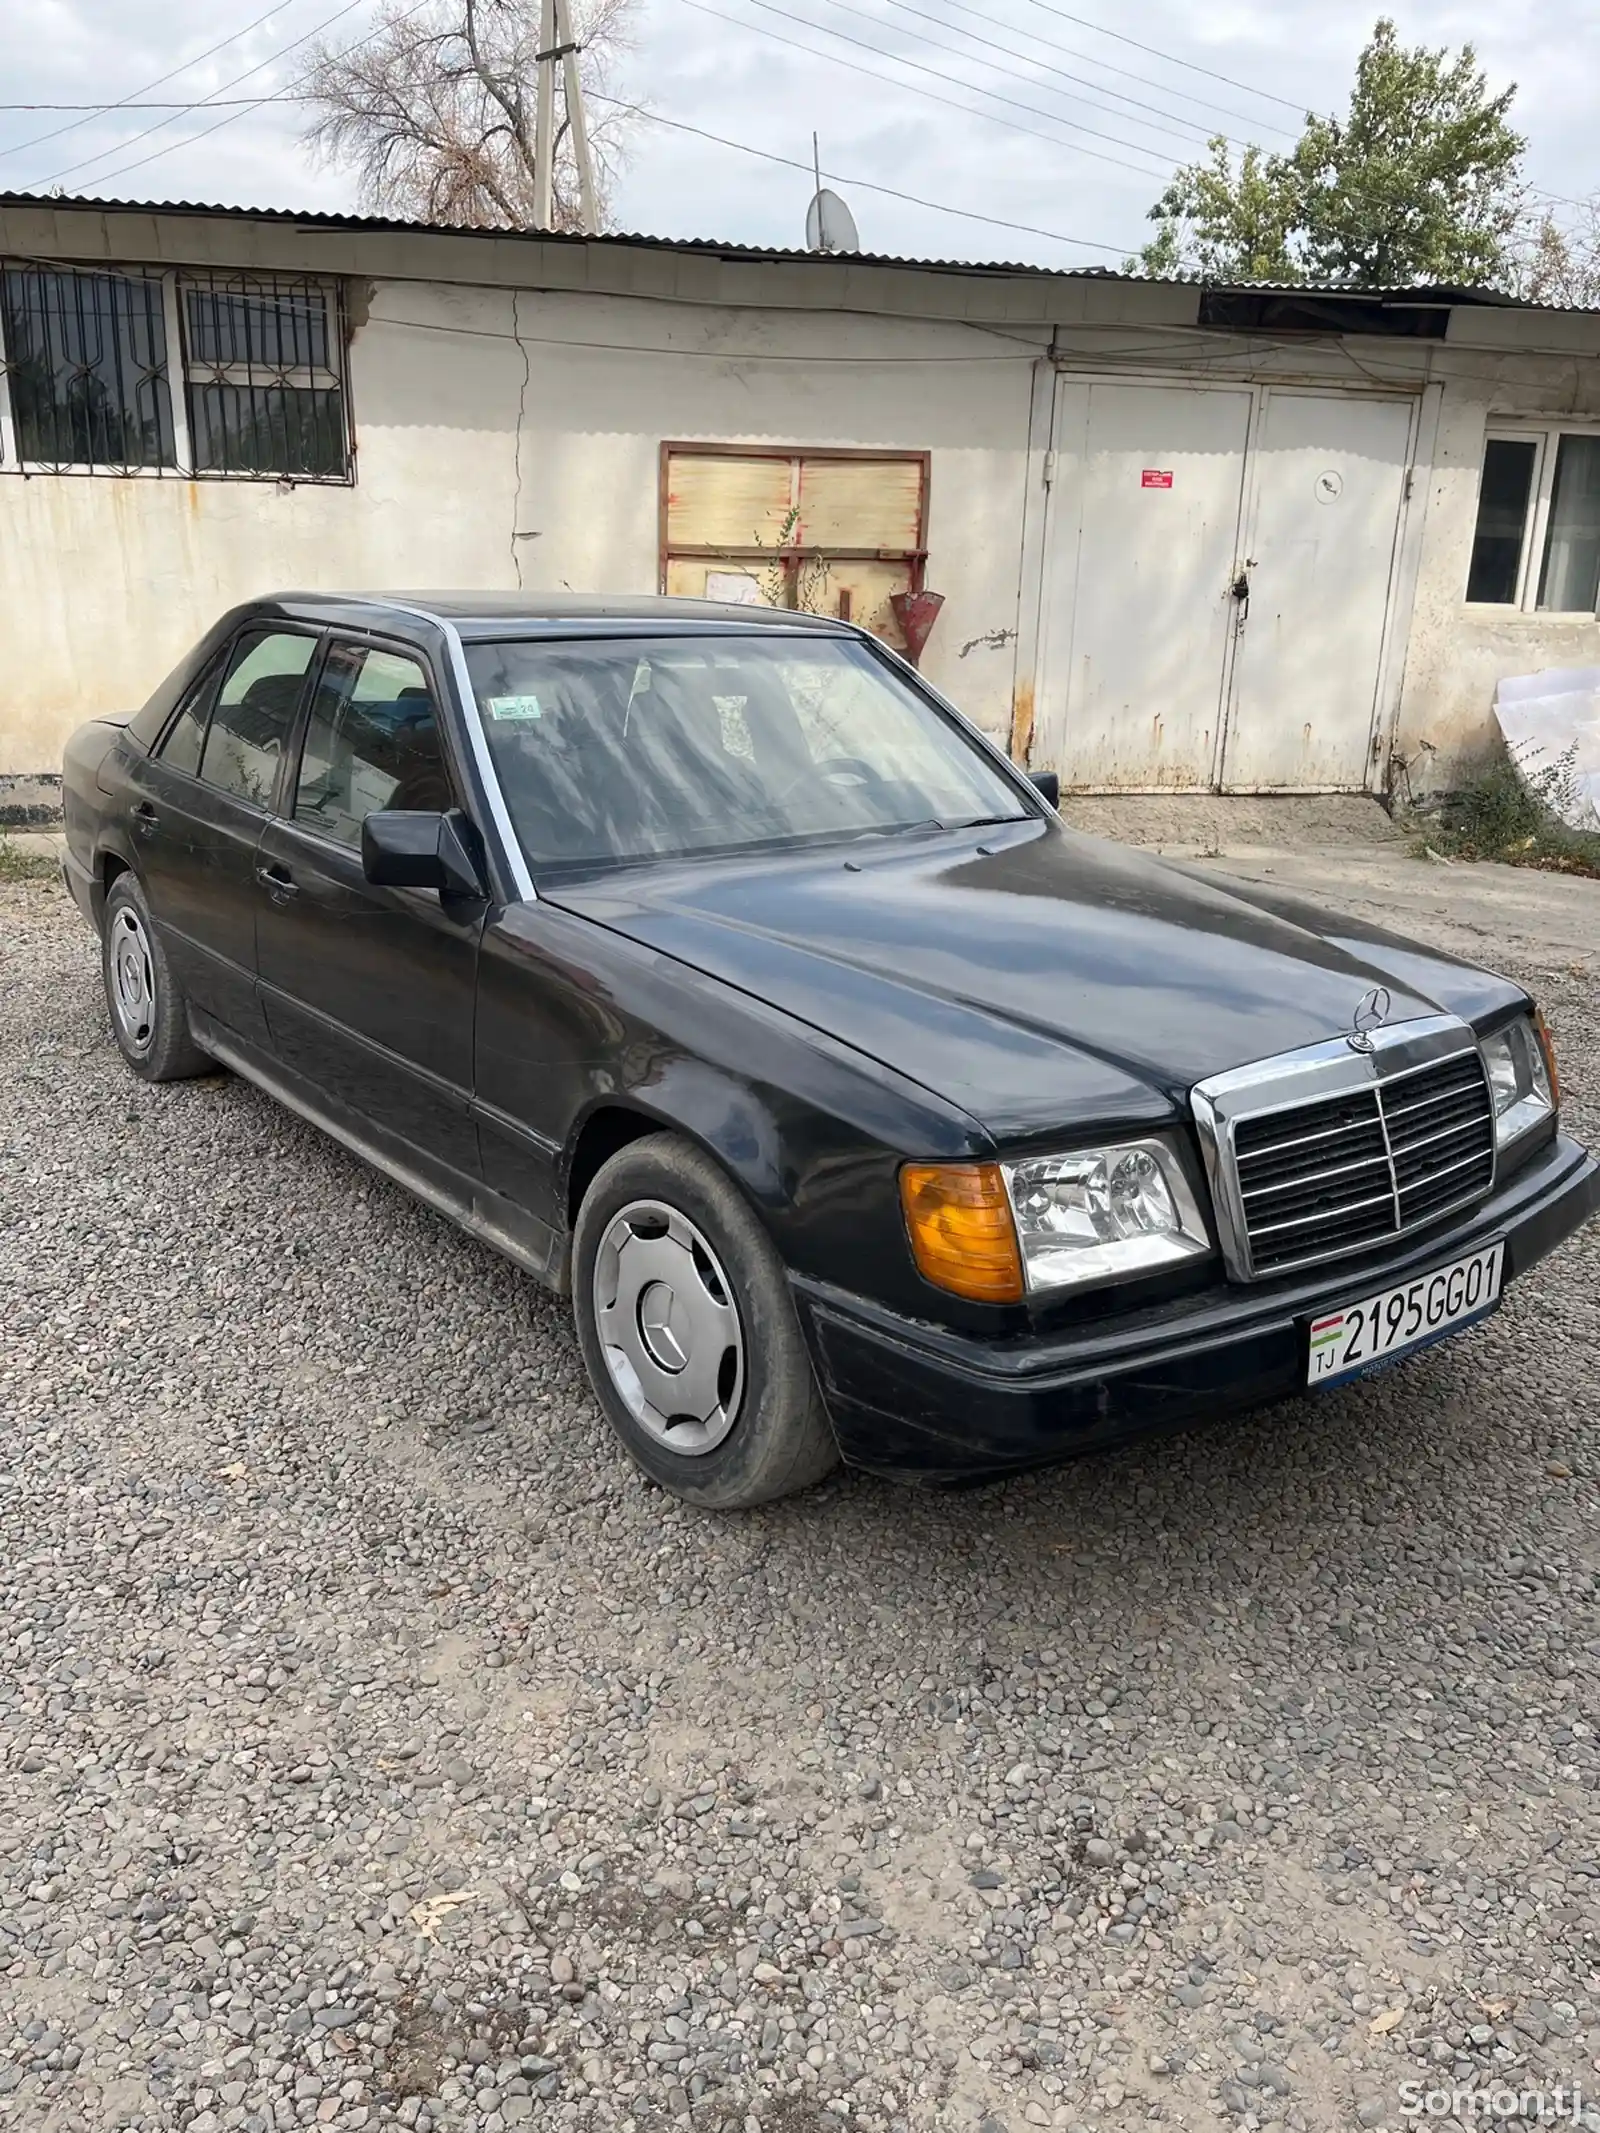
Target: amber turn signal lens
[1547, 1044]
[962, 1235]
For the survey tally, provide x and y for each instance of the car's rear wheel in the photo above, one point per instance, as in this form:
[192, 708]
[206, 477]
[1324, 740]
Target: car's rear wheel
[689, 1332]
[149, 1015]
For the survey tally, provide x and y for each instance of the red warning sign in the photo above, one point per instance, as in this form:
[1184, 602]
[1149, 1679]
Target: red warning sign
[1156, 478]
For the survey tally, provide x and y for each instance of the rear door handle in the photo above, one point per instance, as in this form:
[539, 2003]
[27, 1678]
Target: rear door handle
[145, 819]
[277, 881]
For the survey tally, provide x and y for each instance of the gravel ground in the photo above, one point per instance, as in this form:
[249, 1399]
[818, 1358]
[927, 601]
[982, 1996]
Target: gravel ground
[377, 1749]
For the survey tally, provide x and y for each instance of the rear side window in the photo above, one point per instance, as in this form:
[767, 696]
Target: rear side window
[254, 713]
[372, 741]
[147, 723]
[181, 748]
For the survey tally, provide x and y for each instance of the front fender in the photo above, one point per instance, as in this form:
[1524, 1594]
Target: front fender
[707, 1105]
[575, 1020]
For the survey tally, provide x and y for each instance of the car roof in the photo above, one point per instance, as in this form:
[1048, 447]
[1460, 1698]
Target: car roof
[501, 614]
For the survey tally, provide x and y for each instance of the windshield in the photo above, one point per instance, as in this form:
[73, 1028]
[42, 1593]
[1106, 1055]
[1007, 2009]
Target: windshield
[662, 747]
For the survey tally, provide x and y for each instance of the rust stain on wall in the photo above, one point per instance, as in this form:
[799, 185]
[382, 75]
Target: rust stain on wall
[1022, 722]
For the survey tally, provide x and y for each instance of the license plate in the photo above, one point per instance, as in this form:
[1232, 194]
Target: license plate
[1398, 1321]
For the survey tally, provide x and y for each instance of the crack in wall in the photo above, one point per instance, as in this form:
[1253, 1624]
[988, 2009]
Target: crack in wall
[522, 409]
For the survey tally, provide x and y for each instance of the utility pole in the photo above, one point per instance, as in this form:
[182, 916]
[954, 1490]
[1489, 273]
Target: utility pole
[587, 212]
[544, 135]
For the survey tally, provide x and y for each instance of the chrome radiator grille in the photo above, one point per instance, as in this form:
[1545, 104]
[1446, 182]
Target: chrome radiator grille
[1300, 1175]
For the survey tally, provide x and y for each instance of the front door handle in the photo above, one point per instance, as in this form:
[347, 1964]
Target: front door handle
[277, 881]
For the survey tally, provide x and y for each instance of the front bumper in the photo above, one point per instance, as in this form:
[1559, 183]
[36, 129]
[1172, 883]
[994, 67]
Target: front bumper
[920, 1403]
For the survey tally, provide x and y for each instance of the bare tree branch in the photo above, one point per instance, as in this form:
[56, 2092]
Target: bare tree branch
[434, 112]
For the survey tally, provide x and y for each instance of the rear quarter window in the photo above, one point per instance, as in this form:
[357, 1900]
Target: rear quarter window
[146, 724]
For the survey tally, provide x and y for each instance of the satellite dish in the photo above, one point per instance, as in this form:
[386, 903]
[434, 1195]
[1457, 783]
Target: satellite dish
[830, 226]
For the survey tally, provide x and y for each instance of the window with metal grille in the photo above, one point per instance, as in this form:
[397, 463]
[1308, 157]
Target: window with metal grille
[85, 359]
[91, 361]
[263, 384]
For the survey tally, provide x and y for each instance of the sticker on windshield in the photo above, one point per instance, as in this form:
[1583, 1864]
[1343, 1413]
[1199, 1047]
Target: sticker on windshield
[514, 707]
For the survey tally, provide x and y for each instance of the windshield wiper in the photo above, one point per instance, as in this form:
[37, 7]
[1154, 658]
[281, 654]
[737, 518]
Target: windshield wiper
[937, 822]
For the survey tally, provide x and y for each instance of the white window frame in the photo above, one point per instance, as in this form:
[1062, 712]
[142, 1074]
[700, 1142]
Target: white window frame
[180, 373]
[1546, 439]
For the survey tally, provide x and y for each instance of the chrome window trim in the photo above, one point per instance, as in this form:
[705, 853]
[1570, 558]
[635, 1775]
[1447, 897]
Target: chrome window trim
[1289, 1080]
[477, 741]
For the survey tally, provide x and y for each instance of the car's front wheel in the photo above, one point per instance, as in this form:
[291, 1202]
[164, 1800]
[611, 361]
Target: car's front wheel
[149, 1015]
[689, 1332]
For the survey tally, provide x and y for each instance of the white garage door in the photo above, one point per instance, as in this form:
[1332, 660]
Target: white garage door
[1140, 545]
[1217, 572]
[1327, 477]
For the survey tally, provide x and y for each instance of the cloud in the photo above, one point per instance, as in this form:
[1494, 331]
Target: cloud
[876, 116]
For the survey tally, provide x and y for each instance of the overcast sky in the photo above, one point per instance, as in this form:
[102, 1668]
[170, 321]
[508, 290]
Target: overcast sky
[1093, 154]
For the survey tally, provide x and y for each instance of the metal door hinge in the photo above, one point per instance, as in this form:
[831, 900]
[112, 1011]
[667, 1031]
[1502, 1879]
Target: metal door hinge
[1049, 468]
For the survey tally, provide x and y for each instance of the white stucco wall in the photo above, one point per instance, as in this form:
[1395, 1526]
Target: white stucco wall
[105, 582]
[514, 437]
[1455, 653]
[511, 395]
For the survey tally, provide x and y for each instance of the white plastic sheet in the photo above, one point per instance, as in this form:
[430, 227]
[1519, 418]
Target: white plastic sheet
[1551, 723]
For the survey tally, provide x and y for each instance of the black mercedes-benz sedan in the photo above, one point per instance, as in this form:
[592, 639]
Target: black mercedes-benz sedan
[708, 964]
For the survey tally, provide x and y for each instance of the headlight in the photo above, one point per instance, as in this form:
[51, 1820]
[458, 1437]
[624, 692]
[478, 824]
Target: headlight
[1102, 1214]
[996, 1232]
[1520, 1064]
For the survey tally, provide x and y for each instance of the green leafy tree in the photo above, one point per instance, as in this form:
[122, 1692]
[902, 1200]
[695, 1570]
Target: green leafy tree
[1556, 263]
[1419, 182]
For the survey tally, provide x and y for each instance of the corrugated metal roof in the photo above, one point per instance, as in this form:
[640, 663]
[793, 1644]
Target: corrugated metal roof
[715, 247]
[732, 249]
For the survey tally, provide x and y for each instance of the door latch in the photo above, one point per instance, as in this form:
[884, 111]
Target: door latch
[1240, 590]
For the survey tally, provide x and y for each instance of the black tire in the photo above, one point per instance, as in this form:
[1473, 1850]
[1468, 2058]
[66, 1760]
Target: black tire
[149, 1014]
[777, 1435]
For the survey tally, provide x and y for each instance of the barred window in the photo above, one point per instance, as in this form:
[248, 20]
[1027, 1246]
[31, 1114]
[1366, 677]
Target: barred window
[91, 362]
[264, 396]
[86, 362]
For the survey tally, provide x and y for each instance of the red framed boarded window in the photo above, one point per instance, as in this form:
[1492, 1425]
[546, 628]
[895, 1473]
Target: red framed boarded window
[832, 532]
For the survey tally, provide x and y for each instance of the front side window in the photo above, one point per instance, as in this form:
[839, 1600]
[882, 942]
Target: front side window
[86, 367]
[611, 752]
[372, 741]
[254, 713]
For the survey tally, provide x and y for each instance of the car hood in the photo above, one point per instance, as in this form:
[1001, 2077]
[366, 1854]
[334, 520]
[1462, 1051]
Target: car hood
[1036, 977]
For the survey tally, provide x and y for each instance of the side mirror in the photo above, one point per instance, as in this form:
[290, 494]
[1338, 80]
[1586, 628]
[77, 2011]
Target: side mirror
[402, 849]
[1047, 785]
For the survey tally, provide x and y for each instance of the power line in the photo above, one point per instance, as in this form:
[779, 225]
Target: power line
[1054, 140]
[1137, 147]
[1172, 58]
[1106, 66]
[1187, 125]
[866, 185]
[272, 59]
[165, 103]
[72, 126]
